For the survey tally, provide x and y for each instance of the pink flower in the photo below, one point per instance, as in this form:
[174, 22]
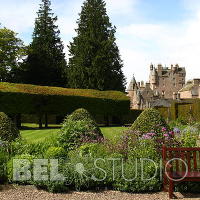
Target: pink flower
[171, 132]
[164, 129]
[166, 135]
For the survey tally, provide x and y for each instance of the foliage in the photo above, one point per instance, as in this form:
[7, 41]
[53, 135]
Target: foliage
[3, 161]
[83, 174]
[24, 98]
[93, 150]
[21, 146]
[148, 121]
[12, 50]
[189, 136]
[55, 153]
[75, 131]
[82, 114]
[45, 64]
[10, 174]
[8, 130]
[94, 56]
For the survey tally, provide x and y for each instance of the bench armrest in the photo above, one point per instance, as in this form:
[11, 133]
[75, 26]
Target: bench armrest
[168, 166]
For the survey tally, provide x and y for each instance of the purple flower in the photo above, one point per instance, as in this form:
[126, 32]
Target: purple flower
[176, 130]
[164, 129]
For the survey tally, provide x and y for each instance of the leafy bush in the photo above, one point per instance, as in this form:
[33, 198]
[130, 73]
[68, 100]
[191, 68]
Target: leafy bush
[21, 146]
[77, 127]
[144, 149]
[3, 161]
[82, 114]
[189, 136]
[55, 153]
[149, 120]
[83, 174]
[10, 174]
[93, 149]
[8, 130]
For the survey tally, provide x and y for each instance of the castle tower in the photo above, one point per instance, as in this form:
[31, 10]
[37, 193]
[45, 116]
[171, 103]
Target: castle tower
[132, 90]
[153, 77]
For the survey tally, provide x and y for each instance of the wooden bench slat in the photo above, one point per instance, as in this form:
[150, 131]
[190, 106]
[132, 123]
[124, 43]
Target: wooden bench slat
[189, 161]
[190, 156]
[195, 160]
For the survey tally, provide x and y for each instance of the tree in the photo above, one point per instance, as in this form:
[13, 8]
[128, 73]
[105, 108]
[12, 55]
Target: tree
[94, 60]
[45, 64]
[12, 50]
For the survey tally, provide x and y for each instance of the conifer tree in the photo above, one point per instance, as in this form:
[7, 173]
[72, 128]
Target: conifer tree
[45, 64]
[94, 60]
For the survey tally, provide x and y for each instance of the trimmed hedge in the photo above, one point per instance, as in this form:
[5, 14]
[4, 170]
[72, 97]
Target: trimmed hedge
[8, 130]
[78, 127]
[32, 99]
[149, 120]
[184, 109]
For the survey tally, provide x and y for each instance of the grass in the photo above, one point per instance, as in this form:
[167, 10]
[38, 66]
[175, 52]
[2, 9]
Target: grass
[113, 133]
[32, 134]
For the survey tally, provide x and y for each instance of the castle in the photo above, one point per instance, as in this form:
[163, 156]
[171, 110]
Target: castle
[164, 83]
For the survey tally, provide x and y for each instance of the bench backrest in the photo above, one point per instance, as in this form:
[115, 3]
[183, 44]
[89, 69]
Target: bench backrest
[190, 155]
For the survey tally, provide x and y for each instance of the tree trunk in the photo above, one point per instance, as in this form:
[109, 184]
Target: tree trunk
[18, 120]
[46, 120]
[40, 121]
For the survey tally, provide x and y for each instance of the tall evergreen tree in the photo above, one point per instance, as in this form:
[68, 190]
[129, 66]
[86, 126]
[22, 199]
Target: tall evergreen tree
[45, 64]
[94, 60]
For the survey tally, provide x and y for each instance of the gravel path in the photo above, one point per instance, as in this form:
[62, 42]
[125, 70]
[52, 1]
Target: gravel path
[12, 192]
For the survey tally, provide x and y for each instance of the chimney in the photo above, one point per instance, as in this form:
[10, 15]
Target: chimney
[147, 84]
[163, 94]
[174, 95]
[196, 81]
[178, 96]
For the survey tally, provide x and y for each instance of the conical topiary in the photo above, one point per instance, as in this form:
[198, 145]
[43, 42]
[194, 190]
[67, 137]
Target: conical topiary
[78, 127]
[8, 130]
[150, 120]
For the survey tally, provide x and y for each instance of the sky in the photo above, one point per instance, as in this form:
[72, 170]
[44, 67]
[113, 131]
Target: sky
[148, 31]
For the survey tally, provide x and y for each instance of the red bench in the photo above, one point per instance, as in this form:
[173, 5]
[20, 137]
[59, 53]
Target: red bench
[180, 164]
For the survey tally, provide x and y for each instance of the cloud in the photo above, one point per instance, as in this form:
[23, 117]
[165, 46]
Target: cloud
[161, 43]
[120, 7]
[140, 43]
[18, 15]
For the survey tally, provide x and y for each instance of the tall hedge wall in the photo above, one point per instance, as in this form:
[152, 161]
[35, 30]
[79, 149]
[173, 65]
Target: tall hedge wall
[182, 109]
[31, 99]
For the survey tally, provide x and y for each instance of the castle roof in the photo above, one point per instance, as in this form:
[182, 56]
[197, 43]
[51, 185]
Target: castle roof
[132, 84]
[161, 103]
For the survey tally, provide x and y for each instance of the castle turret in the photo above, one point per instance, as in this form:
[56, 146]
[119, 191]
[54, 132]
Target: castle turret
[132, 85]
[153, 78]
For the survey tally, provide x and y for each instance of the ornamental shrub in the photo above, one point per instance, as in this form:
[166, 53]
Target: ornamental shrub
[150, 120]
[8, 130]
[83, 114]
[77, 129]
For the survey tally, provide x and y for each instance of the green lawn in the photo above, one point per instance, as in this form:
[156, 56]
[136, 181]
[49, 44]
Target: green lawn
[32, 134]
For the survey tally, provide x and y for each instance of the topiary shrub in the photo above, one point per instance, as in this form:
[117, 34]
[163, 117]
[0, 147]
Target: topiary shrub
[8, 130]
[150, 120]
[77, 128]
[83, 114]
